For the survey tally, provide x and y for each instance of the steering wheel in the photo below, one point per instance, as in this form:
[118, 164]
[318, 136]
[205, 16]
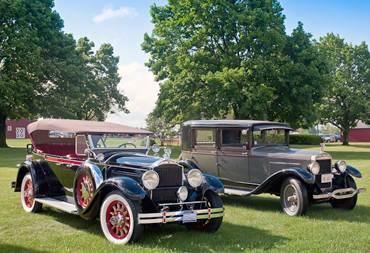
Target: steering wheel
[125, 144]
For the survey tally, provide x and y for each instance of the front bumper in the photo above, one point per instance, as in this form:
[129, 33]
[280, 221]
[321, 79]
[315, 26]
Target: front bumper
[340, 194]
[183, 216]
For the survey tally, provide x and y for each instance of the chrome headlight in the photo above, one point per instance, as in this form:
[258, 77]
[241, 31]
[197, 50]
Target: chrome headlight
[195, 177]
[150, 179]
[100, 157]
[182, 193]
[340, 166]
[314, 168]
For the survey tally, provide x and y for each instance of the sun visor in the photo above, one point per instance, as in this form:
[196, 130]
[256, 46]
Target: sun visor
[266, 127]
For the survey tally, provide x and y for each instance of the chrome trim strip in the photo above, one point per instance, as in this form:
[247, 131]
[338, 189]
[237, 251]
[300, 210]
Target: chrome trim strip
[284, 163]
[178, 216]
[340, 193]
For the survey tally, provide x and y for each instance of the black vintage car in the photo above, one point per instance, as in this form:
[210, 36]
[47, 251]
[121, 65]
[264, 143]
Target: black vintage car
[97, 168]
[253, 157]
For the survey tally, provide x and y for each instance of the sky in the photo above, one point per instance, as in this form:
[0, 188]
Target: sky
[123, 24]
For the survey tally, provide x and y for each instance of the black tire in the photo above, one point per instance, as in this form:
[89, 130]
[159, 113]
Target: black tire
[293, 197]
[120, 210]
[27, 196]
[213, 200]
[347, 204]
[84, 188]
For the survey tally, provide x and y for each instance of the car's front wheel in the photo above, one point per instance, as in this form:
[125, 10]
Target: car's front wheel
[119, 219]
[347, 204]
[27, 195]
[213, 200]
[293, 196]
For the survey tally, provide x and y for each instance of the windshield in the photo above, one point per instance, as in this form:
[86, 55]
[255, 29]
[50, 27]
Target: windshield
[269, 137]
[123, 141]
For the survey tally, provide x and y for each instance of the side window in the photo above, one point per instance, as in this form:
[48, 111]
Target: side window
[205, 137]
[81, 144]
[234, 138]
[269, 137]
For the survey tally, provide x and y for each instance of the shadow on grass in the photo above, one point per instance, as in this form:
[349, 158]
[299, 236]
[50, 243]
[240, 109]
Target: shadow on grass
[323, 211]
[229, 238]
[17, 249]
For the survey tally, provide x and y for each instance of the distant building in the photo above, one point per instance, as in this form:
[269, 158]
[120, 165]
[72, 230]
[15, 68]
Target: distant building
[361, 133]
[17, 129]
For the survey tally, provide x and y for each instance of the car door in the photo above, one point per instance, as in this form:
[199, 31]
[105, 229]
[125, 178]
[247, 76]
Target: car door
[204, 150]
[233, 156]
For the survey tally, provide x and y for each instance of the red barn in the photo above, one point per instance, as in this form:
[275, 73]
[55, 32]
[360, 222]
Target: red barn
[361, 133]
[17, 129]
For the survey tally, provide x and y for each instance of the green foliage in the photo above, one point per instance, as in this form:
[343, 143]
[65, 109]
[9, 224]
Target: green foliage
[44, 73]
[304, 139]
[233, 57]
[349, 99]
[160, 127]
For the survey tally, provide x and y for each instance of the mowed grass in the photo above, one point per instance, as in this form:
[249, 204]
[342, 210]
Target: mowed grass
[251, 224]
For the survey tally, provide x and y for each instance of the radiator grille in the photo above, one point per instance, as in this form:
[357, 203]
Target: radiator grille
[169, 175]
[170, 179]
[325, 168]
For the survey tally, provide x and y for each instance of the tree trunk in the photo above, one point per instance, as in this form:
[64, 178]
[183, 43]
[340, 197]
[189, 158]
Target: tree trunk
[345, 136]
[2, 131]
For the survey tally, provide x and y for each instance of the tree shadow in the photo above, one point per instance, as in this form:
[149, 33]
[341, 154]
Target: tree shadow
[230, 237]
[18, 249]
[322, 211]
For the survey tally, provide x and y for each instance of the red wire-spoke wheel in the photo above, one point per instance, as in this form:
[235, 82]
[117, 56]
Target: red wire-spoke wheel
[85, 190]
[118, 219]
[213, 200]
[27, 195]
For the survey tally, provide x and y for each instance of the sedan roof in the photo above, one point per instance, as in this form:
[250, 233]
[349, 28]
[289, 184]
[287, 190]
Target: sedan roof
[82, 127]
[237, 123]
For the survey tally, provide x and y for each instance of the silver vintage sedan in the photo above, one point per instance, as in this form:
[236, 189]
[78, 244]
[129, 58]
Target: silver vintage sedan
[253, 157]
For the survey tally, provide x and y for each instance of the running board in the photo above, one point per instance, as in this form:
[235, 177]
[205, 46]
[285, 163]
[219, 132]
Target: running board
[229, 191]
[59, 204]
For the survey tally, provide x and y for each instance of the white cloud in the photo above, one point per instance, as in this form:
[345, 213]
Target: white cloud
[138, 85]
[110, 13]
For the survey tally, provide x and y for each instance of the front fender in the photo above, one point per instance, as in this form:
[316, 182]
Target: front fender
[212, 183]
[276, 179]
[129, 187]
[354, 172]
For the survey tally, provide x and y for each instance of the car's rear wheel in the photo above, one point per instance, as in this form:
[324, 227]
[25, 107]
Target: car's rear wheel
[119, 219]
[213, 200]
[27, 195]
[293, 196]
[347, 204]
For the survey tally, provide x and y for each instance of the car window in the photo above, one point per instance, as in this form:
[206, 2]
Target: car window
[234, 138]
[269, 137]
[205, 137]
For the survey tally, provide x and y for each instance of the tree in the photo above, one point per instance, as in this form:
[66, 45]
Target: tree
[348, 100]
[43, 72]
[233, 57]
[28, 31]
[86, 85]
[159, 126]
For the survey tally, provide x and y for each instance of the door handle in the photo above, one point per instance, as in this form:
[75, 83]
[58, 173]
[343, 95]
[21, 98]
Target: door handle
[214, 152]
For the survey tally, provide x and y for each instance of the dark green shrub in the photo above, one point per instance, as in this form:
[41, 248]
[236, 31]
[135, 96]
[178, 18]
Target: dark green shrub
[304, 139]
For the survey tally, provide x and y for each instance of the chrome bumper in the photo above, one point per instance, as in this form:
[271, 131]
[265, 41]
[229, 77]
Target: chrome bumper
[340, 194]
[178, 216]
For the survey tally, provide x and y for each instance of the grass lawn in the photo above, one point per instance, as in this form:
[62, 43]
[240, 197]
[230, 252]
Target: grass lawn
[251, 224]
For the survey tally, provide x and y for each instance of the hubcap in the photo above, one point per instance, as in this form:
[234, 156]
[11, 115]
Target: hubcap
[84, 190]
[291, 198]
[118, 220]
[28, 193]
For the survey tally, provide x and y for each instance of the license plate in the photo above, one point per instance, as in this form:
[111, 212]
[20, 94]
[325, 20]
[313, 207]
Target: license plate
[189, 216]
[326, 178]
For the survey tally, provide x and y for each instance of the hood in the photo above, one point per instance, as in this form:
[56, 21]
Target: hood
[137, 160]
[284, 152]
